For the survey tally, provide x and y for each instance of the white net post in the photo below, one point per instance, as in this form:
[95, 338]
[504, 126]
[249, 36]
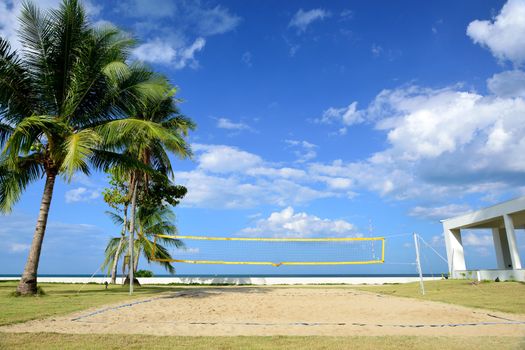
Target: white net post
[418, 264]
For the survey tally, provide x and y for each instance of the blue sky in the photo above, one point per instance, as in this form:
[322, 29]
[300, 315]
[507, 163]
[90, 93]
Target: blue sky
[315, 119]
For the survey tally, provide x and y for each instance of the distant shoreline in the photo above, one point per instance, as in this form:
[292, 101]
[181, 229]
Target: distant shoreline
[237, 280]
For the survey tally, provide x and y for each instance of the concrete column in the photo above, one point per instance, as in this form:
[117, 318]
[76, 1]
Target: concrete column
[455, 253]
[501, 246]
[513, 245]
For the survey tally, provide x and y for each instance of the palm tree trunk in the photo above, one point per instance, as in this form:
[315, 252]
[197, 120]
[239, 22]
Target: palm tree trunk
[131, 232]
[119, 248]
[136, 262]
[28, 282]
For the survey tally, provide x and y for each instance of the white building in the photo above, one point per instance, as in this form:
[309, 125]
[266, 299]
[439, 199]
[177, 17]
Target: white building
[503, 219]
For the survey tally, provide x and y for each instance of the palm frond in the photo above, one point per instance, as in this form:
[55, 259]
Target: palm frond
[109, 253]
[17, 98]
[120, 164]
[28, 132]
[157, 251]
[115, 218]
[78, 148]
[15, 176]
[69, 32]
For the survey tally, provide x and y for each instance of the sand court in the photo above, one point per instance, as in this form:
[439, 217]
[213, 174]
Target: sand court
[232, 311]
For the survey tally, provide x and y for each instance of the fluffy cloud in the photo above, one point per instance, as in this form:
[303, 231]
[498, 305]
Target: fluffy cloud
[176, 45]
[227, 177]
[502, 34]
[225, 159]
[165, 52]
[303, 150]
[508, 84]
[207, 190]
[287, 223]
[192, 16]
[440, 142]
[346, 116]
[302, 19]
[440, 212]
[10, 10]
[225, 123]
[477, 239]
[81, 194]
[18, 247]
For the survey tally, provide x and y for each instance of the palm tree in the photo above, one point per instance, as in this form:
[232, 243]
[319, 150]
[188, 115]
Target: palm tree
[155, 128]
[150, 222]
[68, 81]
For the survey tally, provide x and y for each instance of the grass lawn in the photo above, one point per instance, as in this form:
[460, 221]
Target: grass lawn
[62, 299]
[111, 341]
[499, 296]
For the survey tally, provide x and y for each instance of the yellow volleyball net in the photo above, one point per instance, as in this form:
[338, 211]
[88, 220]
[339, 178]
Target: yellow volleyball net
[275, 251]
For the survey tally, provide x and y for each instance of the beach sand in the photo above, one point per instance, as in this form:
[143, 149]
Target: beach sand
[232, 311]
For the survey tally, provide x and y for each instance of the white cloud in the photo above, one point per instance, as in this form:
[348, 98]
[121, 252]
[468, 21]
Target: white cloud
[186, 54]
[504, 34]
[213, 21]
[156, 51]
[440, 142]
[304, 150]
[18, 247]
[376, 50]
[440, 212]
[438, 241]
[169, 53]
[189, 251]
[174, 32]
[191, 16]
[243, 191]
[272, 172]
[346, 116]
[477, 239]
[10, 11]
[508, 84]
[81, 194]
[225, 123]
[225, 159]
[228, 177]
[287, 223]
[302, 19]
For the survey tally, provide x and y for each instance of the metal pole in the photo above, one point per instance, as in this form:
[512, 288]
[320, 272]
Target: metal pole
[418, 263]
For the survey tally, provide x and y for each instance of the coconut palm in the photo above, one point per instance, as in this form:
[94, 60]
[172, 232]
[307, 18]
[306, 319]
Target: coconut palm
[150, 222]
[156, 128]
[67, 81]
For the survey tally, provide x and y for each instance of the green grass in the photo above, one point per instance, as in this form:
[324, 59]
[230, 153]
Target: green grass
[498, 296]
[61, 299]
[113, 341]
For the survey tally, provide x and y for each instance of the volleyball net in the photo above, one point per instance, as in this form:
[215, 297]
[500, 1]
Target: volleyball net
[275, 251]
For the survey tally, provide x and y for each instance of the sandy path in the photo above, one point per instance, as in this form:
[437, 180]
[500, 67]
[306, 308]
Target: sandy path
[279, 311]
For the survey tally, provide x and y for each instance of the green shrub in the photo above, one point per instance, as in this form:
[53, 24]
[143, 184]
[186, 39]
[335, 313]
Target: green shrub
[144, 273]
